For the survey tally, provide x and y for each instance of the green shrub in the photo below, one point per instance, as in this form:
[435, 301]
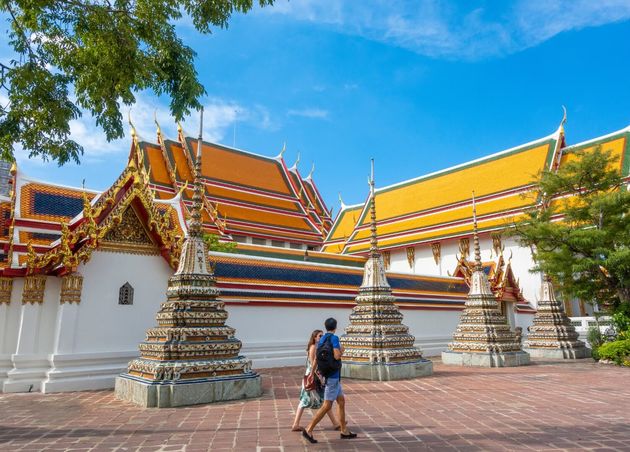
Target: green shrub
[621, 322]
[595, 354]
[594, 337]
[617, 351]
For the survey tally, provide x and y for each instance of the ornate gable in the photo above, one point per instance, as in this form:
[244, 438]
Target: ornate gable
[130, 236]
[123, 218]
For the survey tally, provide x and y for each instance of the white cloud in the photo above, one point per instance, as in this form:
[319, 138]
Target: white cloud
[454, 30]
[219, 118]
[315, 113]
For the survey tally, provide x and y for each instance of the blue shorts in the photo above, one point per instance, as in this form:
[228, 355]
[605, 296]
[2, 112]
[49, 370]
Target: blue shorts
[332, 390]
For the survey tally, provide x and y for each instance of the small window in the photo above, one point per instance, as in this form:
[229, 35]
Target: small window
[257, 241]
[125, 294]
[239, 238]
[278, 243]
[296, 246]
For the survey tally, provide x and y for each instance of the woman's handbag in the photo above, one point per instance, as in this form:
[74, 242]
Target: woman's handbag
[310, 381]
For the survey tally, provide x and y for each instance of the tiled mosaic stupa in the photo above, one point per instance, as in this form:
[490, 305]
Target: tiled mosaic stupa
[192, 356]
[552, 335]
[483, 337]
[377, 346]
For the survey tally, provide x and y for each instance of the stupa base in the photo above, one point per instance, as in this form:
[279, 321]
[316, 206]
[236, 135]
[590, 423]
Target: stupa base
[173, 394]
[559, 353]
[387, 372]
[508, 359]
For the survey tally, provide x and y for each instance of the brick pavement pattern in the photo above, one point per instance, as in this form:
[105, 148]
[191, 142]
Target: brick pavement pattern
[546, 406]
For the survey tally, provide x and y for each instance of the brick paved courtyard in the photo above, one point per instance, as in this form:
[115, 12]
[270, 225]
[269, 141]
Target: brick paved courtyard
[569, 406]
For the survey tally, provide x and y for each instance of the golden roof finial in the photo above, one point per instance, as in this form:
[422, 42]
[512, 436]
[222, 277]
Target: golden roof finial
[194, 229]
[564, 119]
[310, 175]
[478, 265]
[133, 128]
[157, 124]
[373, 239]
[135, 154]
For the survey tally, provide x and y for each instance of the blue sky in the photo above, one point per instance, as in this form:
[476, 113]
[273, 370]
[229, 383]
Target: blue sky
[418, 85]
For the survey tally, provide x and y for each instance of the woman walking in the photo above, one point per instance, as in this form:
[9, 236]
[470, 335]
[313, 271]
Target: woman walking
[312, 399]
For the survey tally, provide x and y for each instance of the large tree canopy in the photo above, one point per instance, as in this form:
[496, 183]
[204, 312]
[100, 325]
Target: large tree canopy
[580, 233]
[93, 55]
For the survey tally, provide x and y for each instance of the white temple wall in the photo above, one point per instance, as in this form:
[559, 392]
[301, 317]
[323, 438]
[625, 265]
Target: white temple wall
[53, 347]
[9, 328]
[103, 324]
[102, 336]
[35, 340]
[277, 336]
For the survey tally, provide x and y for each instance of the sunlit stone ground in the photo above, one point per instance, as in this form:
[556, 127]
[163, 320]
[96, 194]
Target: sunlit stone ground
[568, 406]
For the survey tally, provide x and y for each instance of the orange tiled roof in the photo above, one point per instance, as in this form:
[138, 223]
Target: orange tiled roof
[438, 205]
[246, 193]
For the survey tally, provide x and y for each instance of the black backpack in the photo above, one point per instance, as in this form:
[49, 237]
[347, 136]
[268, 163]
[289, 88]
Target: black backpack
[326, 362]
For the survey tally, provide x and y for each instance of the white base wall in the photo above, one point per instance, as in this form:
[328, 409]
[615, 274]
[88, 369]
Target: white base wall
[54, 348]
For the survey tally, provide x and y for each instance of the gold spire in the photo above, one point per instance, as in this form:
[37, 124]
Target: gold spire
[478, 265]
[194, 229]
[373, 240]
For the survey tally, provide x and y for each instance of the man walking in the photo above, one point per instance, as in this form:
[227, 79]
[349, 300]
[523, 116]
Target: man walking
[331, 367]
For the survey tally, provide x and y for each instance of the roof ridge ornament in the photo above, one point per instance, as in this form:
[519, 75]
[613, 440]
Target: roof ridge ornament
[157, 124]
[133, 128]
[135, 155]
[310, 174]
[282, 151]
[342, 204]
[297, 162]
[564, 120]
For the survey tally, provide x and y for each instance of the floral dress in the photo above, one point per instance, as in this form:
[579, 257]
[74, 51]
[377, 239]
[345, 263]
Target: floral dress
[310, 399]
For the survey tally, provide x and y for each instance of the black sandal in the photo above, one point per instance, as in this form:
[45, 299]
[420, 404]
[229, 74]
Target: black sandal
[309, 437]
[348, 435]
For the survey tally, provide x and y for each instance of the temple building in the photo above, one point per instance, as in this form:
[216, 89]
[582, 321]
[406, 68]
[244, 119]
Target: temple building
[249, 198]
[74, 305]
[424, 224]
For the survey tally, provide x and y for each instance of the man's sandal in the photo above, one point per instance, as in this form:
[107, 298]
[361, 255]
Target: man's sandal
[309, 437]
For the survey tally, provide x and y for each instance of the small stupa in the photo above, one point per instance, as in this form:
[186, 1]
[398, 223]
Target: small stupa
[552, 335]
[192, 356]
[483, 337]
[377, 346]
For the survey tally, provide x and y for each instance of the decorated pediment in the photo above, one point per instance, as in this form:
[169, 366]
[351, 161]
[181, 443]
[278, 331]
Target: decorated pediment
[503, 282]
[130, 235]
